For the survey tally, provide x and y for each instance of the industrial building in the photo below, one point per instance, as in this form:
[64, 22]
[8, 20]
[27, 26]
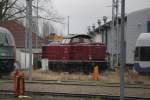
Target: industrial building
[135, 23]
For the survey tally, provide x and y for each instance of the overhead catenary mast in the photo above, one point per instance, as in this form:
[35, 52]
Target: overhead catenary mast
[37, 31]
[68, 25]
[117, 33]
[112, 37]
[29, 35]
[122, 50]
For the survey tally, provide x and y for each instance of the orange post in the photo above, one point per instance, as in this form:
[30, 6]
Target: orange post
[16, 83]
[21, 92]
[95, 75]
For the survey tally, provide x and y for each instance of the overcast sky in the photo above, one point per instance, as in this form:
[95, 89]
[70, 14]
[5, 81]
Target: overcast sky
[84, 13]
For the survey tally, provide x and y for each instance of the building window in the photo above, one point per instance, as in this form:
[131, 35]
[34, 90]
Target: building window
[148, 26]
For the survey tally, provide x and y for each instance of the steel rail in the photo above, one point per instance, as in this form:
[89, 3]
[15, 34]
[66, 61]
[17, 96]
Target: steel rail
[56, 82]
[105, 97]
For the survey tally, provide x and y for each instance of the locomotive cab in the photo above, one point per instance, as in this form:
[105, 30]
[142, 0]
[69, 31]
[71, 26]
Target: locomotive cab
[7, 51]
[73, 39]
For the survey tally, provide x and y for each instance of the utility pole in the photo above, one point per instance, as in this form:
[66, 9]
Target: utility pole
[99, 25]
[29, 28]
[93, 26]
[105, 33]
[117, 33]
[37, 31]
[122, 50]
[26, 35]
[112, 37]
[68, 25]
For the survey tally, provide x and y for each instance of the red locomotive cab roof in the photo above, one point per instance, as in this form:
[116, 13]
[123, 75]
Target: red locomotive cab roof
[80, 38]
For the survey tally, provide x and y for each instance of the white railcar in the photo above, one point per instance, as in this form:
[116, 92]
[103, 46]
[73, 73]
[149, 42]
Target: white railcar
[142, 53]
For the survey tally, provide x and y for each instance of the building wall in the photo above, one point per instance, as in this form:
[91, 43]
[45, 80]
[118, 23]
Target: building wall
[97, 38]
[113, 48]
[23, 58]
[136, 24]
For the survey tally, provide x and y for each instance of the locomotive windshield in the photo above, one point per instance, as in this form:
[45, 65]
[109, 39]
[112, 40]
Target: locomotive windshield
[142, 53]
[81, 40]
[66, 41]
[4, 39]
[77, 39]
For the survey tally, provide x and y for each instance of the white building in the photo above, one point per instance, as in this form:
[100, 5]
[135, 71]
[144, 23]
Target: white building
[136, 22]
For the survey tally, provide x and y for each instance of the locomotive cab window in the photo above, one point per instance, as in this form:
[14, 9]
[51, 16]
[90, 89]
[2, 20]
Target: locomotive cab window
[81, 39]
[66, 41]
[75, 40]
[142, 54]
[3, 39]
[136, 54]
[145, 53]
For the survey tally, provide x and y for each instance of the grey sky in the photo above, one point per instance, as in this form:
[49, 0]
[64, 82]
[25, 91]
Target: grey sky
[86, 12]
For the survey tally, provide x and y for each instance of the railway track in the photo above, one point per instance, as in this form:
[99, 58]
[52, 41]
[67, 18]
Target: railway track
[83, 83]
[83, 96]
[62, 89]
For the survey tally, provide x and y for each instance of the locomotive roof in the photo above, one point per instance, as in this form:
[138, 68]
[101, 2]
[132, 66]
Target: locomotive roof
[77, 35]
[143, 39]
[8, 35]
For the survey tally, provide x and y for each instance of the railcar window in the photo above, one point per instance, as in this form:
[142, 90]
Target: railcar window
[66, 41]
[75, 40]
[81, 40]
[145, 53]
[3, 39]
[137, 54]
[87, 40]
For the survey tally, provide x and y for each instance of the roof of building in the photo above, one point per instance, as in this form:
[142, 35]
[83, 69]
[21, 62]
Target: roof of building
[19, 34]
[6, 37]
[139, 11]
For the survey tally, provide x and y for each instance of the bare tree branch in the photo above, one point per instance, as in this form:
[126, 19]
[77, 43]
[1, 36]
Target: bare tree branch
[15, 14]
[16, 9]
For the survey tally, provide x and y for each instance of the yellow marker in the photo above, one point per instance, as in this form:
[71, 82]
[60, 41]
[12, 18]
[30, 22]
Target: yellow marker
[24, 97]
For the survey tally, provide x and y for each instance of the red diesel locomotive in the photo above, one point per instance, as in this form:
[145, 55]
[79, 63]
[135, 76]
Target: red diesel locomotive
[76, 53]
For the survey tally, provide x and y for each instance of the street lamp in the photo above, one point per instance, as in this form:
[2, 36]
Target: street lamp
[93, 26]
[104, 19]
[89, 29]
[105, 28]
[99, 24]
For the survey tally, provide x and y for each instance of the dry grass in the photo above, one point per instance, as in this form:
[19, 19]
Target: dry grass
[40, 75]
[108, 76]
